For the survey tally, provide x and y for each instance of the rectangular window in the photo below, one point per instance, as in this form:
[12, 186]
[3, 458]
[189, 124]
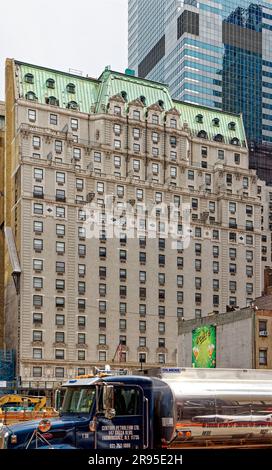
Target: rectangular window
[60, 320]
[136, 133]
[53, 119]
[142, 326]
[81, 321]
[37, 265]
[102, 290]
[59, 353]
[263, 357]
[60, 212]
[60, 284]
[136, 115]
[37, 336]
[37, 371]
[58, 146]
[220, 154]
[173, 172]
[31, 115]
[37, 282]
[237, 158]
[74, 124]
[36, 142]
[117, 110]
[60, 247]
[102, 322]
[37, 353]
[37, 245]
[136, 165]
[76, 153]
[117, 162]
[60, 302]
[38, 227]
[102, 305]
[37, 300]
[122, 308]
[60, 267]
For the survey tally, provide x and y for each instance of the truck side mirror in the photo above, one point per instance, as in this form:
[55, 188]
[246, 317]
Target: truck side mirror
[108, 401]
[57, 400]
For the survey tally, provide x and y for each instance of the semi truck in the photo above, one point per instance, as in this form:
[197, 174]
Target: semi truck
[173, 408]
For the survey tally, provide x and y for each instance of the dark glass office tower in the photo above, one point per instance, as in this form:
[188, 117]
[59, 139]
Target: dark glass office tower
[213, 53]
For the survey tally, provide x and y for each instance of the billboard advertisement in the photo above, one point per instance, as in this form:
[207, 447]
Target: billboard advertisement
[204, 347]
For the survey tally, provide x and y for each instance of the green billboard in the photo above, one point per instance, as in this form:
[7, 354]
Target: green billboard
[204, 347]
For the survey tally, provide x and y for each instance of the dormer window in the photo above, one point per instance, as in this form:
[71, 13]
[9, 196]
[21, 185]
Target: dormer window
[235, 141]
[73, 105]
[199, 118]
[30, 95]
[50, 83]
[29, 78]
[52, 100]
[143, 100]
[216, 122]
[124, 95]
[71, 88]
[161, 104]
[231, 126]
[202, 134]
[218, 138]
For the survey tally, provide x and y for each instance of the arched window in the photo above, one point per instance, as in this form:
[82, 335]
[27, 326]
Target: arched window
[124, 95]
[231, 126]
[202, 134]
[29, 78]
[216, 122]
[52, 100]
[30, 95]
[73, 105]
[218, 138]
[143, 99]
[199, 118]
[161, 103]
[71, 88]
[50, 83]
[235, 141]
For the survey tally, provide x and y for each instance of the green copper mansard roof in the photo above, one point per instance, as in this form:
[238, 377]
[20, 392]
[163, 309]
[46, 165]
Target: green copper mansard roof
[92, 96]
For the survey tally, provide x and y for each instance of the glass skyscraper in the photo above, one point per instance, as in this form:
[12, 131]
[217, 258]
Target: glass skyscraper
[213, 53]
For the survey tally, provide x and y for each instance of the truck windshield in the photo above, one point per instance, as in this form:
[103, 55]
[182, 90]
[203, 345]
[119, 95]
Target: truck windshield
[78, 400]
